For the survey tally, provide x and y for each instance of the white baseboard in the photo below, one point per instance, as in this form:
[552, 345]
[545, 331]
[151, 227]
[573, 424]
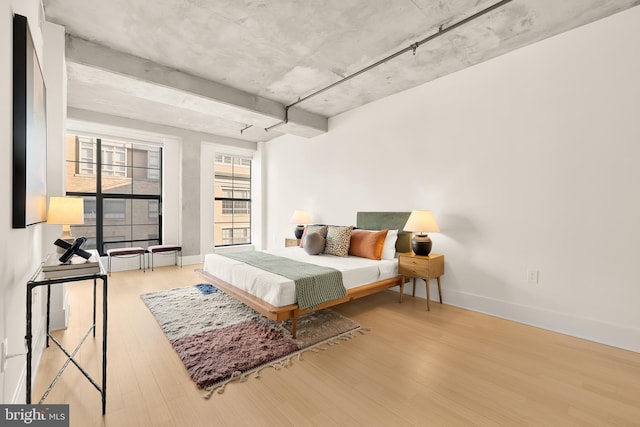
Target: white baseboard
[192, 259]
[590, 329]
[37, 346]
[18, 397]
[59, 319]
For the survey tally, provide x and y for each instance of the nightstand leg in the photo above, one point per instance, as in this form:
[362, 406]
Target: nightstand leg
[439, 289]
[414, 287]
[402, 288]
[426, 281]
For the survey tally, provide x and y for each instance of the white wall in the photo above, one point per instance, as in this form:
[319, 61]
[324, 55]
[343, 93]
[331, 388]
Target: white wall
[529, 161]
[21, 249]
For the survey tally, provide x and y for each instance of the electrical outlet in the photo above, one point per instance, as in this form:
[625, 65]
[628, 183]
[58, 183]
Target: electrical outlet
[532, 276]
[4, 349]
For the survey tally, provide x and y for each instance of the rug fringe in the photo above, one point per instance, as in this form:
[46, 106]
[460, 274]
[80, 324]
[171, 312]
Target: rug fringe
[285, 361]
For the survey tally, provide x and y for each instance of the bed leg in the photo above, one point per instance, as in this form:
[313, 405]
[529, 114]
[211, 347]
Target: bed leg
[294, 325]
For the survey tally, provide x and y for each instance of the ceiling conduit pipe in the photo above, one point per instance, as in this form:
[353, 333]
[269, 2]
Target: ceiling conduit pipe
[441, 31]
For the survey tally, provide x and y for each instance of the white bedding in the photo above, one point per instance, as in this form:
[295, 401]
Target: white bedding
[280, 291]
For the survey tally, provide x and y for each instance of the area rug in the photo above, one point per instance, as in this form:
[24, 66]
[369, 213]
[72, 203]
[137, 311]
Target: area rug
[220, 339]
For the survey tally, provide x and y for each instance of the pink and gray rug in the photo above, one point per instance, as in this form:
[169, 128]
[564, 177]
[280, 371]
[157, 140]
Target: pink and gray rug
[219, 339]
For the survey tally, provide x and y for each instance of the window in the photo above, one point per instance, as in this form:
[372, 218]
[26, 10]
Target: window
[120, 183]
[229, 160]
[232, 205]
[114, 157]
[86, 164]
[114, 209]
[231, 236]
[153, 165]
[235, 207]
[227, 236]
[89, 209]
[153, 209]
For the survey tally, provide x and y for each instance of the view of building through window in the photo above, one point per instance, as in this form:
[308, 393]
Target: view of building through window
[232, 205]
[121, 185]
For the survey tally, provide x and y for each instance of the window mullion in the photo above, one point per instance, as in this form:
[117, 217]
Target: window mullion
[99, 200]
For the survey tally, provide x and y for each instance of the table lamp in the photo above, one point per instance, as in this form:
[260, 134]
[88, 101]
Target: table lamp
[66, 211]
[422, 222]
[300, 218]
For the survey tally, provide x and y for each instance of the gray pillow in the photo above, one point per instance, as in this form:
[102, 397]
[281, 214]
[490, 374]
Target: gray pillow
[320, 229]
[313, 243]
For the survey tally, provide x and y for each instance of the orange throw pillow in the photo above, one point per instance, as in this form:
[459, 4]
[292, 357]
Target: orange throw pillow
[367, 244]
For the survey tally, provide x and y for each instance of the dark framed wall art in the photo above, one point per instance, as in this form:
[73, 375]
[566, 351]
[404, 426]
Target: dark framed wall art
[29, 130]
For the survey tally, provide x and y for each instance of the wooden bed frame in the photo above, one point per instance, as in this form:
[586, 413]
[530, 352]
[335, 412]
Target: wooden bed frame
[292, 311]
[365, 220]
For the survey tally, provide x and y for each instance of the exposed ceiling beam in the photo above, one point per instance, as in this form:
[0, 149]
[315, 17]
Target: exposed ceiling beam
[76, 115]
[296, 116]
[154, 82]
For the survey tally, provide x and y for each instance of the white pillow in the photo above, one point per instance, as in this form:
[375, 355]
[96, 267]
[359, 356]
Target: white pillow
[389, 250]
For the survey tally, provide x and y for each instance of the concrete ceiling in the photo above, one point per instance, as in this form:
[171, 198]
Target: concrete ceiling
[221, 66]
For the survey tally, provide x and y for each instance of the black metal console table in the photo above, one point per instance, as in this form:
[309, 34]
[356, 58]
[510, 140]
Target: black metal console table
[38, 279]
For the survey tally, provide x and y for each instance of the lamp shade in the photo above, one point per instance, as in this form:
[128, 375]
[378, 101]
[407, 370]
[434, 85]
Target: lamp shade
[300, 217]
[422, 222]
[66, 210]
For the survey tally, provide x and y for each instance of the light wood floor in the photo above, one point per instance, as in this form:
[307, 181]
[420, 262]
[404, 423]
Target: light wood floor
[447, 367]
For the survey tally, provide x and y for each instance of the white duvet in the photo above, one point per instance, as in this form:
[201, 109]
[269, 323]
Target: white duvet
[280, 291]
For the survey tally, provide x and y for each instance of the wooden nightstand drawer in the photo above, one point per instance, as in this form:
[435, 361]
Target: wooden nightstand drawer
[413, 267]
[430, 266]
[421, 267]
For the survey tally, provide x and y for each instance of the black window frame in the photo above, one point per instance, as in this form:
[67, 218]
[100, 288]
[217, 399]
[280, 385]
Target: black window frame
[100, 198]
[233, 200]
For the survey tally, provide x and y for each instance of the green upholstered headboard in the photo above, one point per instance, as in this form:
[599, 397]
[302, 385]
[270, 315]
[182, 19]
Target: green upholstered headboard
[390, 221]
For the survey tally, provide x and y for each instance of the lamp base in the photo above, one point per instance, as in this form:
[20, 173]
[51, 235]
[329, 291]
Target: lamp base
[421, 244]
[298, 231]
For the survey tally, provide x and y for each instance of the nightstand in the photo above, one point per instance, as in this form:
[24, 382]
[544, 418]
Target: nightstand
[421, 267]
[291, 242]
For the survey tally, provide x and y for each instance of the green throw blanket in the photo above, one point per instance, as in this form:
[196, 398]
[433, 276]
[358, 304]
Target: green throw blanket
[314, 284]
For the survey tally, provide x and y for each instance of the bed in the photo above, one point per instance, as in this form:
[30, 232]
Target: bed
[274, 296]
